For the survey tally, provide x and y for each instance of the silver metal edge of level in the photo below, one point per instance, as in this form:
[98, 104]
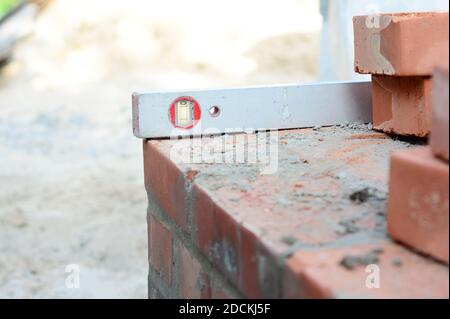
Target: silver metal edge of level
[255, 108]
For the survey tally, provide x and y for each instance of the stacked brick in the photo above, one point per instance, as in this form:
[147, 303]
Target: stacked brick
[418, 206]
[407, 55]
[316, 227]
[310, 230]
[400, 51]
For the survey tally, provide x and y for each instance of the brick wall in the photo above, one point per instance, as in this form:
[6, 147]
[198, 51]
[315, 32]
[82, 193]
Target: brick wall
[338, 217]
[310, 230]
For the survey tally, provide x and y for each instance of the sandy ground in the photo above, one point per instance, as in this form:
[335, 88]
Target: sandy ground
[71, 182]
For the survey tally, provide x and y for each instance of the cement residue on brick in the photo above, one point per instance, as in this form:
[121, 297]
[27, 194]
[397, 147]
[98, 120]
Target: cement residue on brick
[331, 183]
[350, 261]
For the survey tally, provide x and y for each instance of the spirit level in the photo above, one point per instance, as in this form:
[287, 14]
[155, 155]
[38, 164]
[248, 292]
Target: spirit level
[207, 112]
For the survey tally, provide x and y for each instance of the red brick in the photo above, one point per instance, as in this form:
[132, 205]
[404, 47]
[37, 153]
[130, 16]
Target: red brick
[215, 233]
[166, 182]
[160, 249]
[259, 270]
[418, 201]
[402, 105]
[260, 219]
[149, 239]
[242, 219]
[193, 281]
[342, 273]
[217, 291]
[298, 285]
[401, 44]
[233, 248]
[154, 292]
[440, 132]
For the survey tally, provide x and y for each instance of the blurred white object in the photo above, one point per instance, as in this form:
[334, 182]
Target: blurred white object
[15, 27]
[336, 52]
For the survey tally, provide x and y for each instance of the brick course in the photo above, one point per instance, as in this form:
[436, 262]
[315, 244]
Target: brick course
[216, 233]
[165, 182]
[242, 228]
[160, 249]
[192, 279]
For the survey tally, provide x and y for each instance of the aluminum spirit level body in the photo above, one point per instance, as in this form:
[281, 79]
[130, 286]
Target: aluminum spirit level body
[207, 112]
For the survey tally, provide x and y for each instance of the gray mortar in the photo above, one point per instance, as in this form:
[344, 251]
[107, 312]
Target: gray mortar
[349, 227]
[208, 267]
[350, 261]
[289, 240]
[224, 252]
[301, 159]
[397, 262]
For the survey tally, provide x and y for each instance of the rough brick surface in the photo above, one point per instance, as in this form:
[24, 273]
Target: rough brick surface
[440, 132]
[402, 105]
[401, 44]
[193, 281]
[349, 273]
[160, 249]
[418, 201]
[329, 192]
[259, 267]
[281, 211]
[165, 183]
[216, 233]
[217, 292]
[154, 292]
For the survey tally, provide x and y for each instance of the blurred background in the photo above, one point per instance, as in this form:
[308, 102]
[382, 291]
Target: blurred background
[71, 182]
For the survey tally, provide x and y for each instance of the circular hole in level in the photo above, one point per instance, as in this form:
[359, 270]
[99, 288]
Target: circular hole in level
[214, 111]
